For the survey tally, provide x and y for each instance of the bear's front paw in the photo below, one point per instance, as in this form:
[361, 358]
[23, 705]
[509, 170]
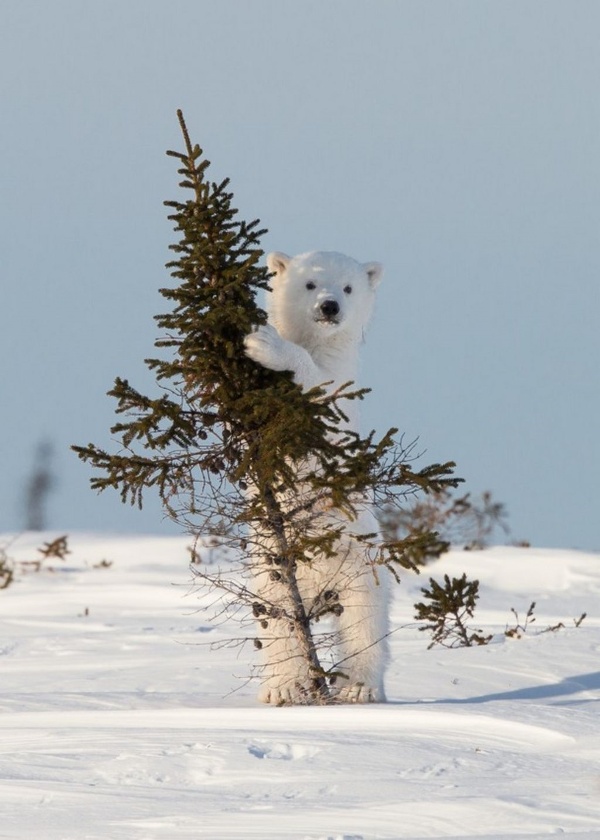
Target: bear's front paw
[266, 347]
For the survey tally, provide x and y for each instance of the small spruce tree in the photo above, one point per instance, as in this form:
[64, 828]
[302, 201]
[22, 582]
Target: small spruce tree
[446, 610]
[236, 449]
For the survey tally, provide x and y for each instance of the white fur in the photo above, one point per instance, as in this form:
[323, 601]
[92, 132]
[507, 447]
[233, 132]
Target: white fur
[319, 307]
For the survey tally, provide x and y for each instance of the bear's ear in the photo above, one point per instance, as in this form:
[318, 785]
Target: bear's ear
[374, 273]
[277, 262]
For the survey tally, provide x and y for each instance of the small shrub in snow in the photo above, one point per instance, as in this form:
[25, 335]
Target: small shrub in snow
[8, 566]
[7, 570]
[518, 630]
[446, 610]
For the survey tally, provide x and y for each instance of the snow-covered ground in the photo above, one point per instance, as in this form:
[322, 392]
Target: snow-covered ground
[118, 720]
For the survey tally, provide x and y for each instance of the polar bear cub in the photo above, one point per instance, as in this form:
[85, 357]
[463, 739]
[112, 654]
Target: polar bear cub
[319, 306]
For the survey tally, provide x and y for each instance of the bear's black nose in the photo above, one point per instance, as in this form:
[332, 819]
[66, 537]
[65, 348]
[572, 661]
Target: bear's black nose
[330, 308]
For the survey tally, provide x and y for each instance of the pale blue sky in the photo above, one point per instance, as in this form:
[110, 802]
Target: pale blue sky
[455, 141]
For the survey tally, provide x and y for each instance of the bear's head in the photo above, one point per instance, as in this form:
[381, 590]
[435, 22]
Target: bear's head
[321, 296]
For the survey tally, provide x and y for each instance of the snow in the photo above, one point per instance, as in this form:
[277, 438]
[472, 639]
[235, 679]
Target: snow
[125, 714]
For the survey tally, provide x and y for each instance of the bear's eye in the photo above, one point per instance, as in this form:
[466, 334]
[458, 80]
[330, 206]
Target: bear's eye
[348, 290]
[310, 285]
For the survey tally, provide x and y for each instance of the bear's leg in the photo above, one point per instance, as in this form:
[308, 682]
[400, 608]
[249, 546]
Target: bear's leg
[363, 645]
[286, 676]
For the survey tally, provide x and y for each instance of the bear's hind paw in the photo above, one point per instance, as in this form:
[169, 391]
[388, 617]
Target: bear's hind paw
[360, 693]
[290, 694]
